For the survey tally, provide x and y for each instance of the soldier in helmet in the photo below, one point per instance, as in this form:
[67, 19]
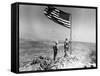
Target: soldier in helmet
[55, 49]
[66, 47]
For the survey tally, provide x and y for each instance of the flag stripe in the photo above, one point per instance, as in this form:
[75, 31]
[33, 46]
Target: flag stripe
[62, 19]
[58, 16]
[66, 25]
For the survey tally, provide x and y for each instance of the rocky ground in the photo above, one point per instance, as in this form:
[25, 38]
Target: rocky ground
[83, 55]
[46, 63]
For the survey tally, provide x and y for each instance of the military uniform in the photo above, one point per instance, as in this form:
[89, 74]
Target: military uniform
[66, 47]
[55, 49]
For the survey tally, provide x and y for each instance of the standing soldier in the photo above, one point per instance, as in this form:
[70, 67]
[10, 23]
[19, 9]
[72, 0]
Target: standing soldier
[66, 47]
[55, 49]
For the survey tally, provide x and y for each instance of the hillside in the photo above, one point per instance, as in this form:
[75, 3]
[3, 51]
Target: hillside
[38, 55]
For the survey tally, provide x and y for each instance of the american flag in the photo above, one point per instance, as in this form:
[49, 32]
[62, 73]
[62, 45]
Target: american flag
[58, 16]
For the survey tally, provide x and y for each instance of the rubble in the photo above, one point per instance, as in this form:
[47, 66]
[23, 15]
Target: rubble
[46, 63]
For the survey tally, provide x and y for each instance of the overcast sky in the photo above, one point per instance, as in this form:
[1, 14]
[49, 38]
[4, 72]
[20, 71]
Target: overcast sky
[34, 25]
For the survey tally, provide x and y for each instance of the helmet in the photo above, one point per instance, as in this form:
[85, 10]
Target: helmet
[56, 42]
[66, 39]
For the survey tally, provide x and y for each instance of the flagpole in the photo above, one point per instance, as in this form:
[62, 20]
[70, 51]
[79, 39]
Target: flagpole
[71, 34]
